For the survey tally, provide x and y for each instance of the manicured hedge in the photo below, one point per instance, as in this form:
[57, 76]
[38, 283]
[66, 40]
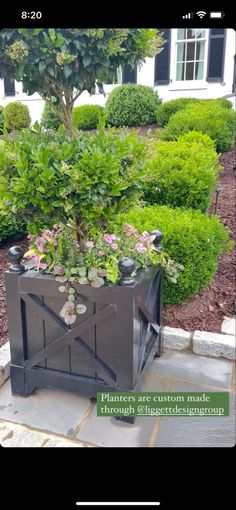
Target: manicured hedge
[86, 116]
[132, 105]
[16, 116]
[190, 238]
[49, 119]
[11, 228]
[209, 118]
[182, 173]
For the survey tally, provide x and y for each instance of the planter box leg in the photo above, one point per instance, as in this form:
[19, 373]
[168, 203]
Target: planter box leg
[18, 382]
[158, 352]
[126, 419]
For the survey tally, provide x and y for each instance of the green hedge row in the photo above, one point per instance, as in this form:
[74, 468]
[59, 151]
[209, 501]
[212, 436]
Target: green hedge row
[190, 238]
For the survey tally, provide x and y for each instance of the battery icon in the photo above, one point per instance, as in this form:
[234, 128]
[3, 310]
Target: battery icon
[216, 15]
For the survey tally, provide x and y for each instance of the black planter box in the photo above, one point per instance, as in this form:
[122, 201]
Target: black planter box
[106, 349]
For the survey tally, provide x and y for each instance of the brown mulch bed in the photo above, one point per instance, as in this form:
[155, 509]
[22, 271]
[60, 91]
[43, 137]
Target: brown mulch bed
[206, 310]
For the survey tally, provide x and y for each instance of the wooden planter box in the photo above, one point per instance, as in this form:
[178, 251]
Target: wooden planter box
[105, 350]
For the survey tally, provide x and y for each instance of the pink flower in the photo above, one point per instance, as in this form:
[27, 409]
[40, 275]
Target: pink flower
[39, 240]
[114, 246]
[43, 266]
[150, 239]
[140, 248]
[108, 238]
[113, 237]
[35, 257]
[40, 248]
[89, 244]
[29, 236]
[145, 233]
[100, 253]
[129, 230]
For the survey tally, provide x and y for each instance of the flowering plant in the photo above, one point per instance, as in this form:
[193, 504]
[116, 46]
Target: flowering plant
[93, 262]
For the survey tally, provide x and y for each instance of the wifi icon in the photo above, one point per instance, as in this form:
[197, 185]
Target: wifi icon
[201, 14]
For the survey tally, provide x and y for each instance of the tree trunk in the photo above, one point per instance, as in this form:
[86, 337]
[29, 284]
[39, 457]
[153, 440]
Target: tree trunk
[68, 121]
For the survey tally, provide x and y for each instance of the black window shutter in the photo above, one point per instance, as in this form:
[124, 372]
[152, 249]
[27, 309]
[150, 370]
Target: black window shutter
[216, 55]
[162, 60]
[9, 87]
[234, 77]
[129, 74]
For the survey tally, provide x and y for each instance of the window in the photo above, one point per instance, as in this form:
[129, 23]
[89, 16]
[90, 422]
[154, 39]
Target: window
[9, 87]
[129, 74]
[190, 54]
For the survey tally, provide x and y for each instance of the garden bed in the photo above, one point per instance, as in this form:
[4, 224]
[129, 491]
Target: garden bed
[205, 311]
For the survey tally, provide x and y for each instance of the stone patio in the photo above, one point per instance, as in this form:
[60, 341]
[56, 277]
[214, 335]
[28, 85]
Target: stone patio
[53, 418]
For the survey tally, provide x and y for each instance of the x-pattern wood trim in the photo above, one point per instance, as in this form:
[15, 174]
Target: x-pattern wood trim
[69, 334]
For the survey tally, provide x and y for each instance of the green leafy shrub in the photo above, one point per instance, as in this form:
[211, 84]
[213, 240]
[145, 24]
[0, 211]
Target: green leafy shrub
[16, 116]
[209, 118]
[86, 116]
[182, 173]
[10, 228]
[1, 119]
[190, 238]
[166, 110]
[46, 177]
[49, 119]
[132, 105]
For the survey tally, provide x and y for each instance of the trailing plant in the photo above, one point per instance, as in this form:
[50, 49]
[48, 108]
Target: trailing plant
[93, 262]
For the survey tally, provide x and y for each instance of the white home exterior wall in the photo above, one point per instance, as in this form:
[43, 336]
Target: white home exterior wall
[145, 76]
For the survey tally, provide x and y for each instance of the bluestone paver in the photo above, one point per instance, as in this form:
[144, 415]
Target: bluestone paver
[48, 409]
[212, 431]
[196, 369]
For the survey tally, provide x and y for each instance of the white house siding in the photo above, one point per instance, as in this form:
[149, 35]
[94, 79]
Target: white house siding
[145, 76]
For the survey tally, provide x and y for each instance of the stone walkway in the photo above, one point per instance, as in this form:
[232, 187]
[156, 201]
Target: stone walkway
[53, 418]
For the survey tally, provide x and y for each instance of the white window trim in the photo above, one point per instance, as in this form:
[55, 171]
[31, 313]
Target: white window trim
[186, 84]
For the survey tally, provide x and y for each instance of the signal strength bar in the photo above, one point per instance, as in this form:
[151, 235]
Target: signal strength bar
[189, 15]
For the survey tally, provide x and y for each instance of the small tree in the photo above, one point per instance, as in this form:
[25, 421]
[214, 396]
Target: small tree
[61, 64]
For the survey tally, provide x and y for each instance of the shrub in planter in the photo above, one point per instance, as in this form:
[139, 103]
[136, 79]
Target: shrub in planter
[132, 105]
[16, 116]
[182, 173]
[191, 238]
[49, 119]
[86, 116]
[95, 335]
[209, 118]
[86, 179]
[167, 109]
[1, 119]
[10, 228]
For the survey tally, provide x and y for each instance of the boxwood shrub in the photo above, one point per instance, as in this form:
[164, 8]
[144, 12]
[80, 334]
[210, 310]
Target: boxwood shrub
[191, 238]
[86, 116]
[16, 116]
[132, 105]
[182, 173]
[10, 228]
[49, 119]
[209, 118]
[166, 110]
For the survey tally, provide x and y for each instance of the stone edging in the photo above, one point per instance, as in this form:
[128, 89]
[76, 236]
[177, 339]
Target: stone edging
[202, 342]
